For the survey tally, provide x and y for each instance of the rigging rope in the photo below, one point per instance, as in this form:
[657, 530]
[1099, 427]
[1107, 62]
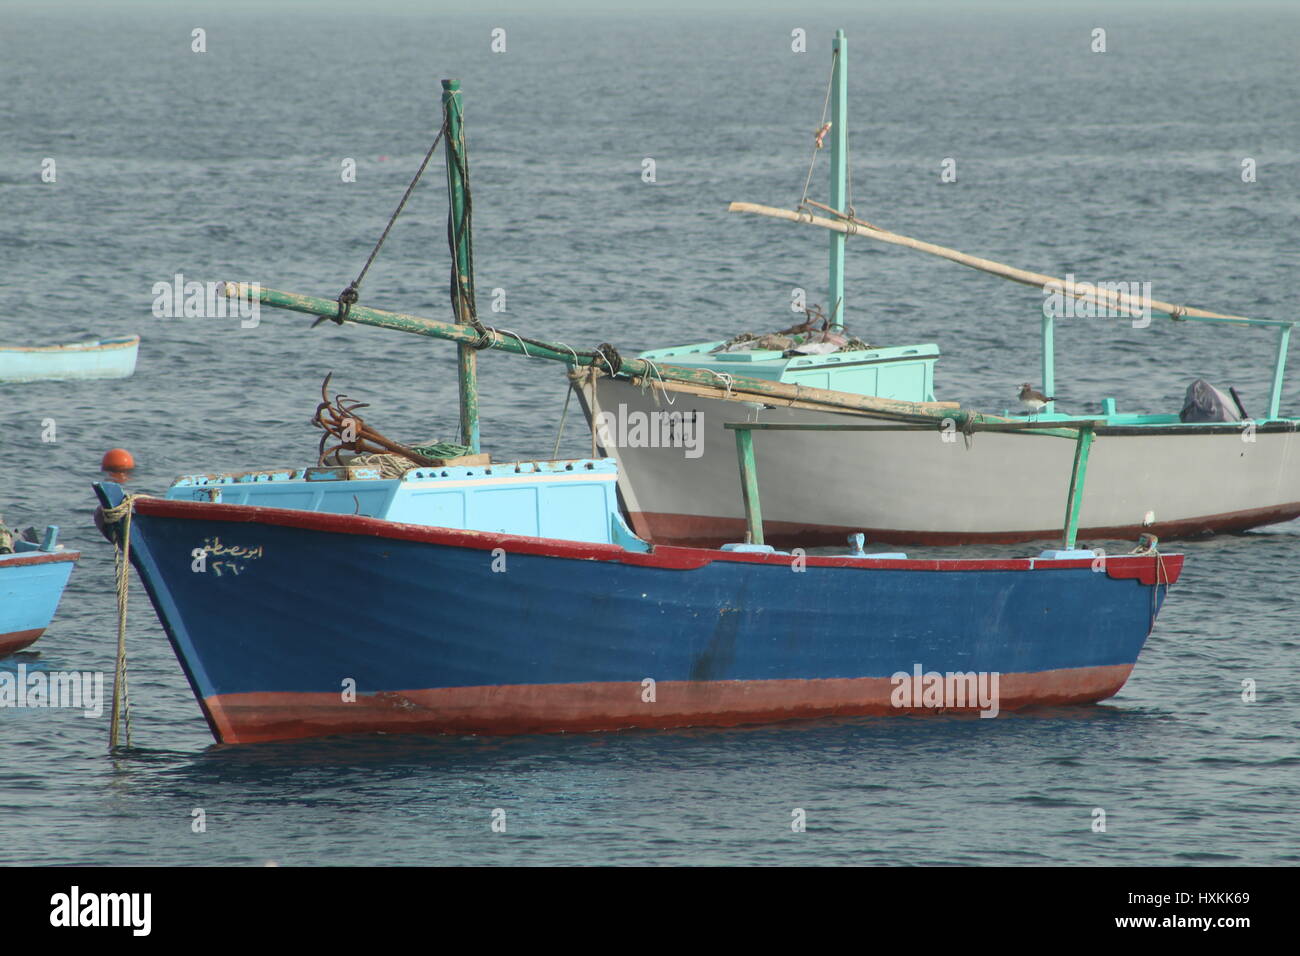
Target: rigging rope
[564, 416]
[349, 296]
[462, 284]
[821, 129]
[591, 406]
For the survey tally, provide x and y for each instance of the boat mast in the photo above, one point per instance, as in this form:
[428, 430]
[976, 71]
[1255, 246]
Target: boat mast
[462, 292]
[1049, 361]
[839, 171]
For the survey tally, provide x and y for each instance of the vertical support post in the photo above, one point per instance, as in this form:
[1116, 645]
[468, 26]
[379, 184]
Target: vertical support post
[462, 293]
[1049, 361]
[749, 484]
[1279, 369]
[839, 171]
[1075, 500]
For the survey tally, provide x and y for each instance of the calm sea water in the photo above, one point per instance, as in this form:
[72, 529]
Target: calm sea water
[226, 164]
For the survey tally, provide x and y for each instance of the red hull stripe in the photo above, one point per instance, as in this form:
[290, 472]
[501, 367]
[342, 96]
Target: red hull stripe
[578, 708]
[17, 640]
[44, 557]
[703, 531]
[1146, 568]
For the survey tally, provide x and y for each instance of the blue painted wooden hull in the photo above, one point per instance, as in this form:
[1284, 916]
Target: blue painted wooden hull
[104, 358]
[31, 584]
[307, 606]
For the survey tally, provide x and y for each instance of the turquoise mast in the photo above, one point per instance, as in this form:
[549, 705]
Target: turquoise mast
[839, 172]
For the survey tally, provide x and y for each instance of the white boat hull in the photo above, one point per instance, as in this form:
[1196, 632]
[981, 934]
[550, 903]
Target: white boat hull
[105, 358]
[915, 487]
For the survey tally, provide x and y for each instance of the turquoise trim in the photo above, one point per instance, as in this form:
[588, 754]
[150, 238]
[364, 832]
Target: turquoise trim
[903, 372]
[1127, 419]
[49, 542]
[571, 500]
[1279, 369]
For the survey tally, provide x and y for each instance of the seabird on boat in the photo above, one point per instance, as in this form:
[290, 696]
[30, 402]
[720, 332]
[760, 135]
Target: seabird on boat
[1032, 401]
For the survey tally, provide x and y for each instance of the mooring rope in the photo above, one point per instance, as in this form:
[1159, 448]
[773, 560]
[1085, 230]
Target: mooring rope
[1155, 591]
[121, 712]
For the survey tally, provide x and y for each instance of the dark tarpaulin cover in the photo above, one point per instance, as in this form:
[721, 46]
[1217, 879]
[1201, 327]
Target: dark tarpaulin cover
[1205, 403]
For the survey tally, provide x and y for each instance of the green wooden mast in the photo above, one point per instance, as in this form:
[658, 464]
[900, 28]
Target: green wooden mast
[839, 171]
[462, 291]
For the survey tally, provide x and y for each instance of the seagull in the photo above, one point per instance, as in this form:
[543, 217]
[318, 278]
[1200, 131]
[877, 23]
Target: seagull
[1032, 400]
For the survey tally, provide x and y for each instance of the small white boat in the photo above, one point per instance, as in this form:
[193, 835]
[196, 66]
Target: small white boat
[101, 358]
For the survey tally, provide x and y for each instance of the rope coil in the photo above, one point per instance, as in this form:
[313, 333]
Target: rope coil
[724, 377]
[647, 381]
[609, 355]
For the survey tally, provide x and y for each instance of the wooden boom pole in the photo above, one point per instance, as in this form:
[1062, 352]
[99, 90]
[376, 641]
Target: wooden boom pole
[739, 387]
[1107, 297]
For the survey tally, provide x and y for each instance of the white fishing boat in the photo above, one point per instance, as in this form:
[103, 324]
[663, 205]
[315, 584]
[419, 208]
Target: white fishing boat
[1170, 474]
[1146, 473]
[100, 358]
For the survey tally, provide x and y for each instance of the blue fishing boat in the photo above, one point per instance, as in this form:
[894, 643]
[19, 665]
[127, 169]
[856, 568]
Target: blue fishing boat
[413, 593]
[32, 578]
[513, 598]
[101, 358]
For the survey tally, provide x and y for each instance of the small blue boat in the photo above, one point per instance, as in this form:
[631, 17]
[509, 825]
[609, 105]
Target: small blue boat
[513, 598]
[101, 358]
[32, 578]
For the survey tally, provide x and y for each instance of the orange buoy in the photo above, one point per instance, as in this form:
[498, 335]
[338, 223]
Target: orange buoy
[117, 459]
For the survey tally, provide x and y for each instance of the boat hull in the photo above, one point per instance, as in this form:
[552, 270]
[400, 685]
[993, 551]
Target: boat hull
[31, 585]
[915, 487]
[611, 706]
[106, 358]
[405, 628]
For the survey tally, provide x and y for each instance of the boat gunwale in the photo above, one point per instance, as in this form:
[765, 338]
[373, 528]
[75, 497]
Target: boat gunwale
[97, 345]
[1265, 425]
[21, 558]
[1157, 567]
